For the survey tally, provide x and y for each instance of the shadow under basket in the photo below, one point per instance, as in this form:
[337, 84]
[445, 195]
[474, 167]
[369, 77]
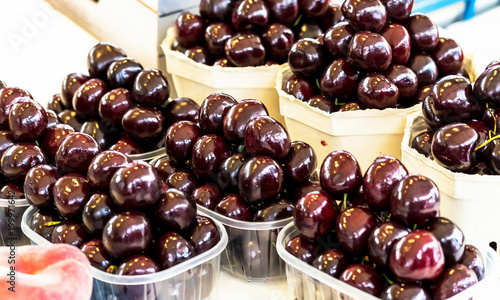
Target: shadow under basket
[195, 279]
[470, 201]
[251, 250]
[11, 213]
[308, 283]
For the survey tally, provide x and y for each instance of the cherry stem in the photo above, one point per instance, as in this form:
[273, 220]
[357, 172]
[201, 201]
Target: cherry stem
[241, 148]
[52, 223]
[337, 102]
[345, 201]
[297, 21]
[363, 260]
[487, 142]
[111, 269]
[387, 279]
[494, 119]
[414, 227]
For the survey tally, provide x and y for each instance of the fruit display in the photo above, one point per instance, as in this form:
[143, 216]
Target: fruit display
[123, 106]
[461, 117]
[243, 33]
[381, 57]
[380, 232]
[242, 169]
[45, 273]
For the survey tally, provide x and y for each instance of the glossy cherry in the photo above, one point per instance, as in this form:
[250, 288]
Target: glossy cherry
[363, 277]
[486, 87]
[151, 88]
[69, 232]
[331, 261]
[6, 140]
[76, 152]
[175, 211]
[86, 98]
[450, 237]
[245, 49]
[139, 264]
[407, 290]
[233, 206]
[27, 121]
[71, 192]
[422, 143]
[299, 87]
[100, 57]
[448, 56]
[103, 166]
[165, 166]
[216, 36]
[199, 54]
[229, 169]
[94, 250]
[337, 39]
[189, 29]
[300, 162]
[452, 281]
[173, 249]
[315, 214]
[216, 10]
[339, 79]
[473, 259]
[18, 159]
[423, 32]
[122, 72]
[274, 211]
[97, 212]
[307, 58]
[8, 97]
[424, 66]
[302, 249]
[113, 105]
[453, 146]
[376, 91]
[368, 15]
[381, 240]
[260, 179]
[369, 52]
[182, 180]
[56, 104]
[207, 195]
[212, 111]
[208, 153]
[353, 227]
[238, 116]
[38, 185]
[250, 15]
[405, 80]
[323, 103]
[97, 130]
[69, 86]
[69, 117]
[266, 136]
[126, 146]
[180, 139]
[340, 173]
[142, 122]
[204, 234]
[278, 39]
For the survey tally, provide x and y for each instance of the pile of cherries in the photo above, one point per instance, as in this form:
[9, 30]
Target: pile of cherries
[123, 106]
[382, 57]
[242, 33]
[117, 211]
[463, 121]
[236, 160]
[386, 237]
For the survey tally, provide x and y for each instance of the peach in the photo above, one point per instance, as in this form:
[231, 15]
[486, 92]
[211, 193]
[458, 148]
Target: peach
[49, 272]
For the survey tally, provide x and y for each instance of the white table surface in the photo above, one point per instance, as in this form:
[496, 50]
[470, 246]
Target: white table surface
[40, 46]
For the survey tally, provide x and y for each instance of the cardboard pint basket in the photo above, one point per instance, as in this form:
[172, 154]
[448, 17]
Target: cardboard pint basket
[365, 133]
[470, 201]
[197, 81]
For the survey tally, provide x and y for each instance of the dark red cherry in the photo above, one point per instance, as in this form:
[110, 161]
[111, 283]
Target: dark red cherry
[307, 58]
[18, 159]
[53, 137]
[180, 139]
[96, 130]
[76, 152]
[399, 39]
[492, 156]
[126, 146]
[69, 117]
[350, 106]
[56, 104]
[165, 166]
[142, 123]
[151, 88]
[423, 32]
[274, 211]
[301, 88]
[71, 192]
[103, 166]
[337, 39]
[238, 116]
[70, 232]
[250, 15]
[6, 140]
[323, 103]
[206, 195]
[453, 146]
[216, 10]
[309, 30]
[212, 112]
[245, 49]
[173, 249]
[189, 29]
[369, 52]
[52, 118]
[315, 215]
[483, 135]
[302, 249]
[313, 8]
[38, 185]
[407, 290]
[332, 16]
[204, 234]
[9, 96]
[138, 265]
[278, 39]
[94, 250]
[180, 109]
[376, 91]
[135, 186]
[302, 189]
[363, 277]
[449, 236]
[448, 56]
[97, 212]
[425, 68]
[405, 80]
[260, 179]
[12, 190]
[113, 106]
[266, 136]
[27, 121]
[381, 240]
[216, 36]
[208, 153]
[183, 180]
[473, 259]
[452, 281]
[199, 54]
[340, 173]
[126, 234]
[486, 87]
[331, 261]
[122, 72]
[353, 227]
[69, 86]
[175, 211]
[86, 99]
[41, 218]
[414, 199]
[339, 79]
[223, 62]
[300, 162]
[422, 143]
[368, 15]
[100, 57]
[283, 11]
[233, 206]
[228, 172]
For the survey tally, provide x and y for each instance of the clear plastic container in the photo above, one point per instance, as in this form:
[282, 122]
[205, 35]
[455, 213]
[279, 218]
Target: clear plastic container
[197, 81]
[251, 251]
[11, 213]
[308, 283]
[471, 201]
[195, 279]
[148, 156]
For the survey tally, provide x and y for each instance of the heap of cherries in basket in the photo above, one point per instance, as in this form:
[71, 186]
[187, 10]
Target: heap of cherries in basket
[463, 122]
[382, 57]
[119, 103]
[236, 160]
[118, 212]
[386, 237]
[241, 33]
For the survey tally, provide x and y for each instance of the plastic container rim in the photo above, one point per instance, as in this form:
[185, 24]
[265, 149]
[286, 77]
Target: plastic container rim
[148, 155]
[139, 279]
[19, 202]
[328, 280]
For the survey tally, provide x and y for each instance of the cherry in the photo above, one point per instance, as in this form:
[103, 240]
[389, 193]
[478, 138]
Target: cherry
[12, 191]
[206, 195]
[250, 15]
[216, 10]
[69, 117]
[199, 54]
[165, 166]
[216, 36]
[364, 278]
[86, 98]
[135, 186]
[180, 139]
[41, 219]
[245, 49]
[52, 118]
[103, 166]
[315, 214]
[94, 250]
[76, 152]
[424, 66]
[369, 52]
[126, 146]
[212, 111]
[142, 122]
[331, 261]
[175, 211]
[323, 103]
[260, 179]
[283, 11]
[351, 106]
[266, 136]
[233, 206]
[339, 79]
[18, 159]
[278, 39]
[208, 153]
[307, 58]
[69, 232]
[337, 39]
[139, 264]
[368, 15]
[405, 80]
[313, 8]
[452, 281]
[180, 109]
[56, 104]
[448, 56]
[71, 192]
[417, 256]
[340, 173]
[450, 237]
[183, 181]
[381, 240]
[422, 143]
[397, 10]
[228, 172]
[8, 97]
[423, 32]
[172, 249]
[473, 259]
[100, 57]
[204, 234]
[238, 116]
[151, 88]
[376, 91]
[6, 140]
[453, 146]
[69, 86]
[113, 106]
[97, 212]
[97, 130]
[189, 29]
[122, 73]
[407, 290]
[353, 228]
[38, 185]
[126, 234]
[274, 211]
[300, 162]
[302, 249]
[486, 86]
[299, 87]
[298, 191]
